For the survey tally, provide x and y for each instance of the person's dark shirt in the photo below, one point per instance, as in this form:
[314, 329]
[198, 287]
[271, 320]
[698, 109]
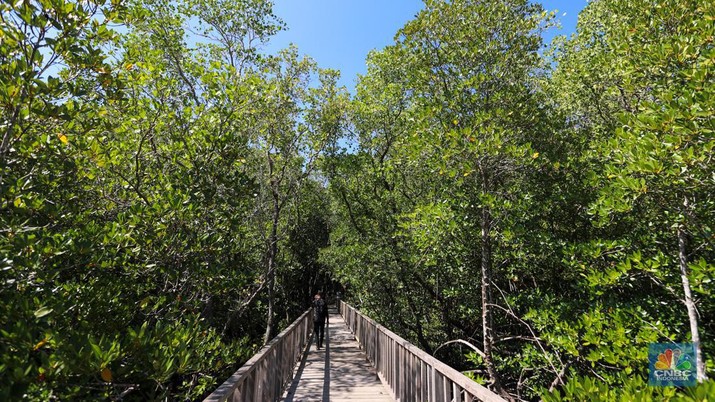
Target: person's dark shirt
[320, 318]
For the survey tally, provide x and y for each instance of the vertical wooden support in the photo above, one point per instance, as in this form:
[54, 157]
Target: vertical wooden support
[446, 389]
[433, 384]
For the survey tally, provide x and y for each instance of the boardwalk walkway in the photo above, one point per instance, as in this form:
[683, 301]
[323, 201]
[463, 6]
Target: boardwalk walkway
[338, 372]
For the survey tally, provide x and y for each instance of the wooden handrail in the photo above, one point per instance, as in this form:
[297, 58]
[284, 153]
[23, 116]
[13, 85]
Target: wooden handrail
[407, 371]
[266, 374]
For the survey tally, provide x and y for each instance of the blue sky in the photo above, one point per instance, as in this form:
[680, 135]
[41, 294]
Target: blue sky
[339, 33]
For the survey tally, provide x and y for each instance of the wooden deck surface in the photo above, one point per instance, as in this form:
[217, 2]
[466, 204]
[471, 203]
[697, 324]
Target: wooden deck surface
[338, 372]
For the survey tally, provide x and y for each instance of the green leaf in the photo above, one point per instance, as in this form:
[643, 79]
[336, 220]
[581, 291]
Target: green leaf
[42, 311]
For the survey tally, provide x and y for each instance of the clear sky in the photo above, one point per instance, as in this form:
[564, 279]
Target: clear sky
[339, 33]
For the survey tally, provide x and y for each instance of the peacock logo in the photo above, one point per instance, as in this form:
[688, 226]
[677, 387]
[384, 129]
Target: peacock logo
[673, 359]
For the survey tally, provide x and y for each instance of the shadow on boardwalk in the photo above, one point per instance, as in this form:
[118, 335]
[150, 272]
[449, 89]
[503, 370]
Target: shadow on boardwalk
[338, 372]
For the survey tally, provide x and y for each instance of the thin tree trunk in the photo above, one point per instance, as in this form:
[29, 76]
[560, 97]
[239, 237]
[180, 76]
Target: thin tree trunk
[689, 303]
[269, 318]
[271, 274]
[487, 330]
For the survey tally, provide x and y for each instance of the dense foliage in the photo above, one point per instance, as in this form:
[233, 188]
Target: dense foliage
[170, 196]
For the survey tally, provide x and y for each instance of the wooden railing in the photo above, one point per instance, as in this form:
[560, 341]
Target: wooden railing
[408, 372]
[266, 374]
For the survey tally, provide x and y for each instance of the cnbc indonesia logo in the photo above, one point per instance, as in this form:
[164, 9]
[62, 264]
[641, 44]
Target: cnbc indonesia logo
[671, 364]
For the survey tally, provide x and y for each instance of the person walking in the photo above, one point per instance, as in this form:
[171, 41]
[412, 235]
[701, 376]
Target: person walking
[320, 318]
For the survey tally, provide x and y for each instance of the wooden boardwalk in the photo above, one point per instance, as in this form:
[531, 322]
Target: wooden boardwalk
[338, 372]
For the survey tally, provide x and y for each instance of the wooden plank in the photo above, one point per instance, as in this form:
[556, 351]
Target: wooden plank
[434, 391]
[446, 396]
